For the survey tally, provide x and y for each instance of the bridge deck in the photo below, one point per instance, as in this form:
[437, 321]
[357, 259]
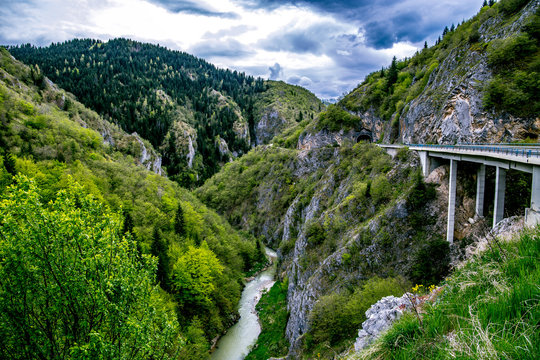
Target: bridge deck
[524, 154]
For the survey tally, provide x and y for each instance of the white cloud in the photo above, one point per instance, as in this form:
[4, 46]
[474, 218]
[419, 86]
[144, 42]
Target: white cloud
[316, 49]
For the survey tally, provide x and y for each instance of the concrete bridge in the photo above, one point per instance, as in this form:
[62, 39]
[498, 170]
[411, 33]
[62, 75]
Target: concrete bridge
[503, 157]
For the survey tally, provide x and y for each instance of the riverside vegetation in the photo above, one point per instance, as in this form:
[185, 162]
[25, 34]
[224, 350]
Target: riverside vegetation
[58, 148]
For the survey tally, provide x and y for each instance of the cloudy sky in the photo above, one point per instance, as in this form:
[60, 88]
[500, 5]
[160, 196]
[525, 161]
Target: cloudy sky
[326, 46]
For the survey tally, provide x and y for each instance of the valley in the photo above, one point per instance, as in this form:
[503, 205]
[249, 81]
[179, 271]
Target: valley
[142, 190]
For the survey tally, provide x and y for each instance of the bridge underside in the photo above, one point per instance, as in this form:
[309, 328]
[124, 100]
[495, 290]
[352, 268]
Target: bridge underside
[503, 159]
[431, 160]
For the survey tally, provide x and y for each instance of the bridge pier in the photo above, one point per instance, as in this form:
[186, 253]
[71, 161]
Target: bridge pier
[500, 187]
[502, 156]
[532, 214]
[480, 189]
[452, 185]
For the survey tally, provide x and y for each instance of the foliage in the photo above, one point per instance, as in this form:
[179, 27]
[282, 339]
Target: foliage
[149, 202]
[291, 104]
[431, 262]
[193, 276]
[516, 83]
[338, 316]
[514, 59]
[160, 251]
[488, 309]
[512, 6]
[273, 315]
[335, 118]
[71, 285]
[179, 222]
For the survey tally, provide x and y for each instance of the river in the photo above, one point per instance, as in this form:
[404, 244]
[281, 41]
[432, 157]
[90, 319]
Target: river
[237, 342]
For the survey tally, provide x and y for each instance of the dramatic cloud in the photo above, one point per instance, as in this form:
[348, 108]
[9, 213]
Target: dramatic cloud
[229, 48]
[193, 7]
[325, 46]
[275, 71]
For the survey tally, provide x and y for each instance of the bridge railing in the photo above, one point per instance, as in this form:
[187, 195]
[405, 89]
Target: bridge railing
[505, 149]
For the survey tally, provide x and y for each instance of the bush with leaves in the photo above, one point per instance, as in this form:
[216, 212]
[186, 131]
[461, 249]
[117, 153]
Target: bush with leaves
[72, 286]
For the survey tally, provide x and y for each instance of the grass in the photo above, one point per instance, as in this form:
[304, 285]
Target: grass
[489, 309]
[273, 315]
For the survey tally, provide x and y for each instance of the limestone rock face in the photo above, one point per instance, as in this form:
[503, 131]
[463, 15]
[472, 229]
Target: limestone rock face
[184, 138]
[241, 130]
[450, 108]
[149, 158]
[269, 125]
[311, 141]
[380, 317]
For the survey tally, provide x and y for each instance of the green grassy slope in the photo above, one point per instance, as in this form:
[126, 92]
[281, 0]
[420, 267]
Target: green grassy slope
[488, 309]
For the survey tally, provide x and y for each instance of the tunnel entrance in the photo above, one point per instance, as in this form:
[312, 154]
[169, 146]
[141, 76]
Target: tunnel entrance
[364, 135]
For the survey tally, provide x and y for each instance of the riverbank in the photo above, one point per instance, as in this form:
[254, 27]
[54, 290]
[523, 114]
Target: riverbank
[273, 314]
[237, 342]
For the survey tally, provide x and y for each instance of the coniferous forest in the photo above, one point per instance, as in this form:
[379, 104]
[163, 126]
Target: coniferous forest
[145, 88]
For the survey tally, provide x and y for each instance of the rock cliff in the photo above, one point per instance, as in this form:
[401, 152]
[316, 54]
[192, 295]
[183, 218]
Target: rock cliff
[440, 93]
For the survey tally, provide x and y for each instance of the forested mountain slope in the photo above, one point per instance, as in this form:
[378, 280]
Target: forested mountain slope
[338, 216]
[199, 116]
[479, 83]
[50, 137]
[352, 224]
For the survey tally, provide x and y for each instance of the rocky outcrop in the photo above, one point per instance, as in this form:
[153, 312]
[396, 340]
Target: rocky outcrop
[450, 107]
[380, 316]
[270, 124]
[148, 157]
[223, 149]
[183, 139]
[310, 141]
[241, 131]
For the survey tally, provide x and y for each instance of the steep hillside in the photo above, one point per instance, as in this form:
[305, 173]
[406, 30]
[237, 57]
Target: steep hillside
[487, 309]
[281, 107]
[198, 116]
[479, 84]
[338, 216]
[352, 224]
[50, 137]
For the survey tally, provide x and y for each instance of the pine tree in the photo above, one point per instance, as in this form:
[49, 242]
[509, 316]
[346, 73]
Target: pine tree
[159, 250]
[392, 74]
[452, 28]
[445, 31]
[485, 3]
[491, 3]
[9, 163]
[425, 44]
[128, 223]
[179, 222]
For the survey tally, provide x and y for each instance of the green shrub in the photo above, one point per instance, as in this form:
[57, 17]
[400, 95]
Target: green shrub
[488, 310]
[431, 262]
[315, 233]
[510, 7]
[504, 54]
[381, 190]
[26, 108]
[73, 284]
[37, 122]
[335, 118]
[338, 316]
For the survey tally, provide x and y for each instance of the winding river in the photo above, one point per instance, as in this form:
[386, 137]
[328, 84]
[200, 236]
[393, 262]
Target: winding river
[237, 342]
